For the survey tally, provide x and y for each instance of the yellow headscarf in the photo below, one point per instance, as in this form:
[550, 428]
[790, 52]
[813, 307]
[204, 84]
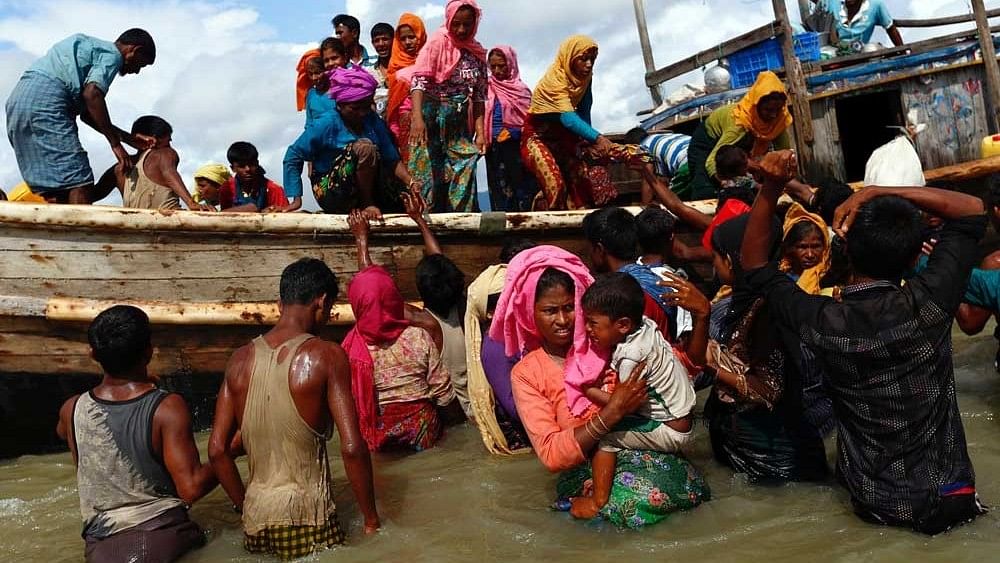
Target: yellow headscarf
[745, 112]
[480, 392]
[559, 91]
[218, 173]
[809, 281]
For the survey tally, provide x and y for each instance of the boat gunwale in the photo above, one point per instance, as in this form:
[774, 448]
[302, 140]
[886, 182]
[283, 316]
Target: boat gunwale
[101, 218]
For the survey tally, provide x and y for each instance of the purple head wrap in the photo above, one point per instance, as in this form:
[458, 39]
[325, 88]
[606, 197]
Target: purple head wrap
[351, 84]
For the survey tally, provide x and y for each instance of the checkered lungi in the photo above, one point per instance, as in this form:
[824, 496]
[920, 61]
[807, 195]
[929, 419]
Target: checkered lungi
[41, 126]
[292, 542]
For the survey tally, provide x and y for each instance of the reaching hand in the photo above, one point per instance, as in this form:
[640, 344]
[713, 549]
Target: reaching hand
[686, 296]
[203, 207]
[602, 145]
[373, 213]
[143, 142]
[124, 162]
[630, 394]
[414, 205]
[844, 217]
[358, 222]
[776, 169]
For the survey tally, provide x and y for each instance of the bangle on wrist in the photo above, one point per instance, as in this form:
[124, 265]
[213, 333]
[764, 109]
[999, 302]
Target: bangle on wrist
[596, 438]
[603, 424]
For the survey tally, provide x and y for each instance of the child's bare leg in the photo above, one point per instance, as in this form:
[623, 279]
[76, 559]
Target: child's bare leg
[603, 466]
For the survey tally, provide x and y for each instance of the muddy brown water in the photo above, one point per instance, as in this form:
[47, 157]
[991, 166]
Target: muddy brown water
[456, 503]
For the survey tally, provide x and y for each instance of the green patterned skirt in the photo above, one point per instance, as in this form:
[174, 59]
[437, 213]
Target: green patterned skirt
[648, 486]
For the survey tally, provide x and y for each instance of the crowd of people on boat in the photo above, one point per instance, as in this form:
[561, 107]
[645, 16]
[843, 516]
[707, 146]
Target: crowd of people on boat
[831, 313]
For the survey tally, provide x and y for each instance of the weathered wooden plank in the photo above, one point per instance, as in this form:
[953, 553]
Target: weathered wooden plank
[936, 22]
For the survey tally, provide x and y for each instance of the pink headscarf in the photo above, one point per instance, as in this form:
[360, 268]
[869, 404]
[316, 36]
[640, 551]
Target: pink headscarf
[439, 57]
[514, 319]
[379, 319]
[513, 94]
[351, 84]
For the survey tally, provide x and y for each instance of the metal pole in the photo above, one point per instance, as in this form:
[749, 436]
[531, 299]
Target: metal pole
[798, 93]
[805, 8]
[989, 64]
[647, 50]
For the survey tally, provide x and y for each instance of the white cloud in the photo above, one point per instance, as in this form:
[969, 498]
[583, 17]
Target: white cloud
[221, 74]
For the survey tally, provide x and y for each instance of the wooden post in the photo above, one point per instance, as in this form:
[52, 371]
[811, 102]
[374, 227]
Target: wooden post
[805, 8]
[799, 94]
[990, 64]
[647, 49]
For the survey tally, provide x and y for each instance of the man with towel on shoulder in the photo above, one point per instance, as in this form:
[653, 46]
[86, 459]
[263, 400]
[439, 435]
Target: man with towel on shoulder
[348, 148]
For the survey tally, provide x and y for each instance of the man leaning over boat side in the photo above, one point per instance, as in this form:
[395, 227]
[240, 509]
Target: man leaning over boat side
[138, 468]
[283, 392]
[72, 79]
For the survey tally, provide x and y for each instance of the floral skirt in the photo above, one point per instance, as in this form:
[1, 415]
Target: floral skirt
[647, 487]
[446, 164]
[413, 425]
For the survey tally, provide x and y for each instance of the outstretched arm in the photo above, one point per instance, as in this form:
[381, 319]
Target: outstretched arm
[353, 449]
[192, 478]
[167, 167]
[945, 204]
[774, 172]
[687, 214]
[360, 229]
[415, 207]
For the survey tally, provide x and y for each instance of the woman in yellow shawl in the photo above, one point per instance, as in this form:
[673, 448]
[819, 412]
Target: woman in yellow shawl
[758, 124]
[805, 248]
[489, 369]
[557, 132]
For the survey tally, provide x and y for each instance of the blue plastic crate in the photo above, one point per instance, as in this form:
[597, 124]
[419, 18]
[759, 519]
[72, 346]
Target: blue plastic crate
[746, 64]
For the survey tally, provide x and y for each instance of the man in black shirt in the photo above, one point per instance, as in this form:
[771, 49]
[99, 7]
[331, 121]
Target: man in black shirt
[885, 347]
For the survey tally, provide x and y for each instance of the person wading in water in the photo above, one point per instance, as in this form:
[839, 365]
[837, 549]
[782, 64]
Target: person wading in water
[281, 392]
[137, 464]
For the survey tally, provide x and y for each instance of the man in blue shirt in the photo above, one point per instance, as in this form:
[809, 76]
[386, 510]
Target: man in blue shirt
[856, 20]
[72, 79]
[348, 29]
[348, 148]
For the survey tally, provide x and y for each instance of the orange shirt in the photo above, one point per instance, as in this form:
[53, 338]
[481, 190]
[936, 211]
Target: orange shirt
[540, 396]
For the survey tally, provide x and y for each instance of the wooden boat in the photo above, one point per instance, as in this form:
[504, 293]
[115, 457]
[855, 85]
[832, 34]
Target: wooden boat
[209, 281]
[845, 107]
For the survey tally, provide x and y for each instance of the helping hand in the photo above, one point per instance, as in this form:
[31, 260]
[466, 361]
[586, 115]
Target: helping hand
[358, 222]
[630, 394]
[373, 213]
[686, 296]
[776, 169]
[844, 217]
[414, 205]
[124, 161]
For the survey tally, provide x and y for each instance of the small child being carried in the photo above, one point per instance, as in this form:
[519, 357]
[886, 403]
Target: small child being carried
[613, 308]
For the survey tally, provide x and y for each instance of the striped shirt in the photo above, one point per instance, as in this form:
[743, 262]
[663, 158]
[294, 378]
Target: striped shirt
[670, 151]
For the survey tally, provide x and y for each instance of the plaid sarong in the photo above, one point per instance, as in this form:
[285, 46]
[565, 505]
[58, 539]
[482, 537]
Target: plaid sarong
[41, 127]
[292, 542]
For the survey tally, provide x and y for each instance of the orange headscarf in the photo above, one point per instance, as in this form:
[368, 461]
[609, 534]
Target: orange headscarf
[302, 81]
[745, 113]
[399, 90]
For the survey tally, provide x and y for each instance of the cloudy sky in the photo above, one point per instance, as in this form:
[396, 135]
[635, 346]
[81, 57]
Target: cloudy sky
[225, 70]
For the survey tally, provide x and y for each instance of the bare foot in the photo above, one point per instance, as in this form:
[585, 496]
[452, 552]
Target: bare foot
[584, 508]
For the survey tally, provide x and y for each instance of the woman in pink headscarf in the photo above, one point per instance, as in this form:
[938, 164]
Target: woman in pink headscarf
[537, 316]
[397, 377]
[507, 106]
[448, 90]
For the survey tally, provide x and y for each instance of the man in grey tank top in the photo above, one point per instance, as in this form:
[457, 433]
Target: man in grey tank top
[138, 468]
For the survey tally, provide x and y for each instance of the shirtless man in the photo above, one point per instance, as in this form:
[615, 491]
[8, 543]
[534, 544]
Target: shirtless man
[283, 392]
[137, 463]
[152, 180]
